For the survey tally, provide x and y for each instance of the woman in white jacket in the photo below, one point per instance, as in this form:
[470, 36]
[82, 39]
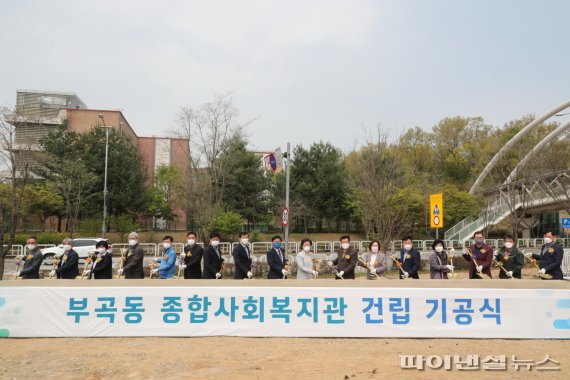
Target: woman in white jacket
[305, 262]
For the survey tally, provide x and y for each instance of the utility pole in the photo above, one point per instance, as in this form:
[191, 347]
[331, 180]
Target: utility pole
[287, 181]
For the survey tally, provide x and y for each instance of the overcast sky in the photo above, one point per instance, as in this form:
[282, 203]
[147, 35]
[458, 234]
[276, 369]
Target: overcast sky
[311, 70]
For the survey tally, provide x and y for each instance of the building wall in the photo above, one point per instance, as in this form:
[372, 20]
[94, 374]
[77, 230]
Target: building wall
[146, 149]
[82, 120]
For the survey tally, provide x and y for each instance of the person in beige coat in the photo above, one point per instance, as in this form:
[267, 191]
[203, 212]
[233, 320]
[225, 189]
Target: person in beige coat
[375, 259]
[304, 261]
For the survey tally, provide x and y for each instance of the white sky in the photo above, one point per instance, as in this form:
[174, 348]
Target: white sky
[311, 70]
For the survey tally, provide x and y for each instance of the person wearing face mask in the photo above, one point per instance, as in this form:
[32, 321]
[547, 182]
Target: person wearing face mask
[511, 257]
[166, 265]
[375, 259]
[68, 267]
[277, 260]
[102, 268]
[550, 257]
[304, 262]
[409, 259]
[242, 258]
[346, 259]
[32, 261]
[192, 257]
[483, 254]
[133, 262]
[213, 260]
[438, 266]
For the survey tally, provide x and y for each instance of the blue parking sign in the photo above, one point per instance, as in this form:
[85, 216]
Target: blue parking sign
[565, 222]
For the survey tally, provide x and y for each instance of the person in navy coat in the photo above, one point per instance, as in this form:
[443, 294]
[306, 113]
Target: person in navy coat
[277, 260]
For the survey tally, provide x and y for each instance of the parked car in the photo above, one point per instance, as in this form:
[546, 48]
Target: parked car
[83, 246]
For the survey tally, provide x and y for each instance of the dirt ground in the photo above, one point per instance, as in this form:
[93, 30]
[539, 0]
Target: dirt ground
[261, 358]
[273, 358]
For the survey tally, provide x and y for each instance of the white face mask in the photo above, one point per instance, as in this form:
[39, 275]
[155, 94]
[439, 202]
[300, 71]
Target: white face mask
[375, 249]
[214, 243]
[547, 240]
[66, 248]
[244, 241]
[31, 246]
[407, 247]
[166, 245]
[439, 249]
[191, 241]
[133, 242]
[100, 250]
[345, 245]
[508, 245]
[307, 248]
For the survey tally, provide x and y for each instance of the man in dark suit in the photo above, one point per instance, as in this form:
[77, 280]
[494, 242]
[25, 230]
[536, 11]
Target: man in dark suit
[410, 259]
[102, 267]
[133, 263]
[68, 267]
[32, 261]
[192, 257]
[346, 260]
[242, 258]
[483, 254]
[213, 261]
[550, 257]
[277, 260]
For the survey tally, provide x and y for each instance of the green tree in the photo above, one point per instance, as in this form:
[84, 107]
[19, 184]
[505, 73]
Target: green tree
[43, 200]
[161, 197]
[318, 182]
[229, 224]
[126, 174]
[123, 224]
[246, 182]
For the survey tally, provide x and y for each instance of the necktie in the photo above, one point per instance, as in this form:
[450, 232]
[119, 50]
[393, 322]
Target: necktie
[280, 255]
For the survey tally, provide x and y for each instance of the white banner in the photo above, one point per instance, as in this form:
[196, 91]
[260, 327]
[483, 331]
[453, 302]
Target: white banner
[284, 312]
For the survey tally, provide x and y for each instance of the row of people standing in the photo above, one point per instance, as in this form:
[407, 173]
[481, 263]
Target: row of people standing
[480, 257]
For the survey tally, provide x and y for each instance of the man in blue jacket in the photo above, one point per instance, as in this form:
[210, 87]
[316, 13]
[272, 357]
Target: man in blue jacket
[167, 261]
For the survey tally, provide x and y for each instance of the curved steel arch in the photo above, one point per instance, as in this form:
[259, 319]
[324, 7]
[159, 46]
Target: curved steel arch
[537, 148]
[507, 147]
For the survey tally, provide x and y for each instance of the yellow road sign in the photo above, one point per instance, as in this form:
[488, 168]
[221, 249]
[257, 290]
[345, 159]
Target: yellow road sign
[436, 210]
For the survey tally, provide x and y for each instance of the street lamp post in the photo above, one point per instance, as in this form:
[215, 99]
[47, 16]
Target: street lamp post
[107, 128]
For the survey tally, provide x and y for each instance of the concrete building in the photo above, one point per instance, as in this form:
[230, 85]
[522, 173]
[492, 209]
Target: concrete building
[38, 113]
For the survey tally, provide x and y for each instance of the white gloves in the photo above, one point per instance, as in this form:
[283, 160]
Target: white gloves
[528, 255]
[330, 263]
[154, 271]
[340, 274]
[183, 254]
[449, 267]
[52, 273]
[183, 266]
[120, 271]
[88, 272]
[480, 268]
[406, 275]
[249, 275]
[218, 276]
[18, 274]
[542, 271]
[315, 273]
[510, 273]
[284, 272]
